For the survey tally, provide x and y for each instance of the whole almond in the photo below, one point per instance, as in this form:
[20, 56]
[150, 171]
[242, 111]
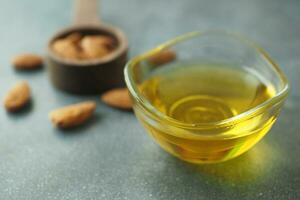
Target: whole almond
[72, 115]
[96, 46]
[162, 57]
[27, 61]
[74, 37]
[100, 40]
[17, 97]
[118, 98]
[66, 49]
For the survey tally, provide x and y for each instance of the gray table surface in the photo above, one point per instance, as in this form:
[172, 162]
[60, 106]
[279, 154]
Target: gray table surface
[112, 157]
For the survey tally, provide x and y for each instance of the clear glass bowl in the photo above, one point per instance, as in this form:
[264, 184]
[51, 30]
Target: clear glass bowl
[216, 141]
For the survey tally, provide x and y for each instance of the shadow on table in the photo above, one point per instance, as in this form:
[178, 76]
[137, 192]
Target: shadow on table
[246, 168]
[177, 177]
[23, 111]
[29, 72]
[69, 132]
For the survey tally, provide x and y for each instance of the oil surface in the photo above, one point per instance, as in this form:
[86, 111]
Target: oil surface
[195, 94]
[205, 93]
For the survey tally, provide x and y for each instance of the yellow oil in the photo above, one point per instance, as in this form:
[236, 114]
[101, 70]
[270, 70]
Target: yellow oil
[207, 94]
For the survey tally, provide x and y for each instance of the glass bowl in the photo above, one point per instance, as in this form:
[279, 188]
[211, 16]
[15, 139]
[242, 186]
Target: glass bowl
[206, 141]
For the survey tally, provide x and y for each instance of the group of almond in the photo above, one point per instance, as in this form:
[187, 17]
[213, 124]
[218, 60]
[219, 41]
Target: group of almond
[76, 46]
[79, 47]
[66, 117]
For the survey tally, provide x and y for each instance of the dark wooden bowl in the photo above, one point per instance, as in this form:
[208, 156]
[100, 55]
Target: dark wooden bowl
[88, 76]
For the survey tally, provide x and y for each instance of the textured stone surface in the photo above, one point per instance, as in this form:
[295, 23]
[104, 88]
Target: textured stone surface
[112, 157]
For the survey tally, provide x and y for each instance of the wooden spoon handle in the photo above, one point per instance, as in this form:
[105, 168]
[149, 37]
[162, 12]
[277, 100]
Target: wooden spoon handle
[86, 12]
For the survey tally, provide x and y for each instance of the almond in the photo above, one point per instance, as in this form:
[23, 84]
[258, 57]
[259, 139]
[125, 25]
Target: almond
[27, 61]
[96, 46]
[74, 37]
[17, 97]
[162, 57]
[72, 115]
[66, 49]
[101, 40]
[118, 98]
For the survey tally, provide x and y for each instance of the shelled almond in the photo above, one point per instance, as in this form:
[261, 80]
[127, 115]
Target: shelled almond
[66, 49]
[17, 97]
[81, 47]
[162, 57]
[72, 115]
[96, 46]
[27, 61]
[118, 98]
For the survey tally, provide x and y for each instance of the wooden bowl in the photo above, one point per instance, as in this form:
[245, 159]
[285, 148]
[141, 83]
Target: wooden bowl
[88, 76]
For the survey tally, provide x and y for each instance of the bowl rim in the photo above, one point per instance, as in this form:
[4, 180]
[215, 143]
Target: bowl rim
[146, 105]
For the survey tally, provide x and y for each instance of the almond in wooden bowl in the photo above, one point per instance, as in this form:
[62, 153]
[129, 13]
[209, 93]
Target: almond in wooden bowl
[96, 46]
[83, 47]
[66, 48]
